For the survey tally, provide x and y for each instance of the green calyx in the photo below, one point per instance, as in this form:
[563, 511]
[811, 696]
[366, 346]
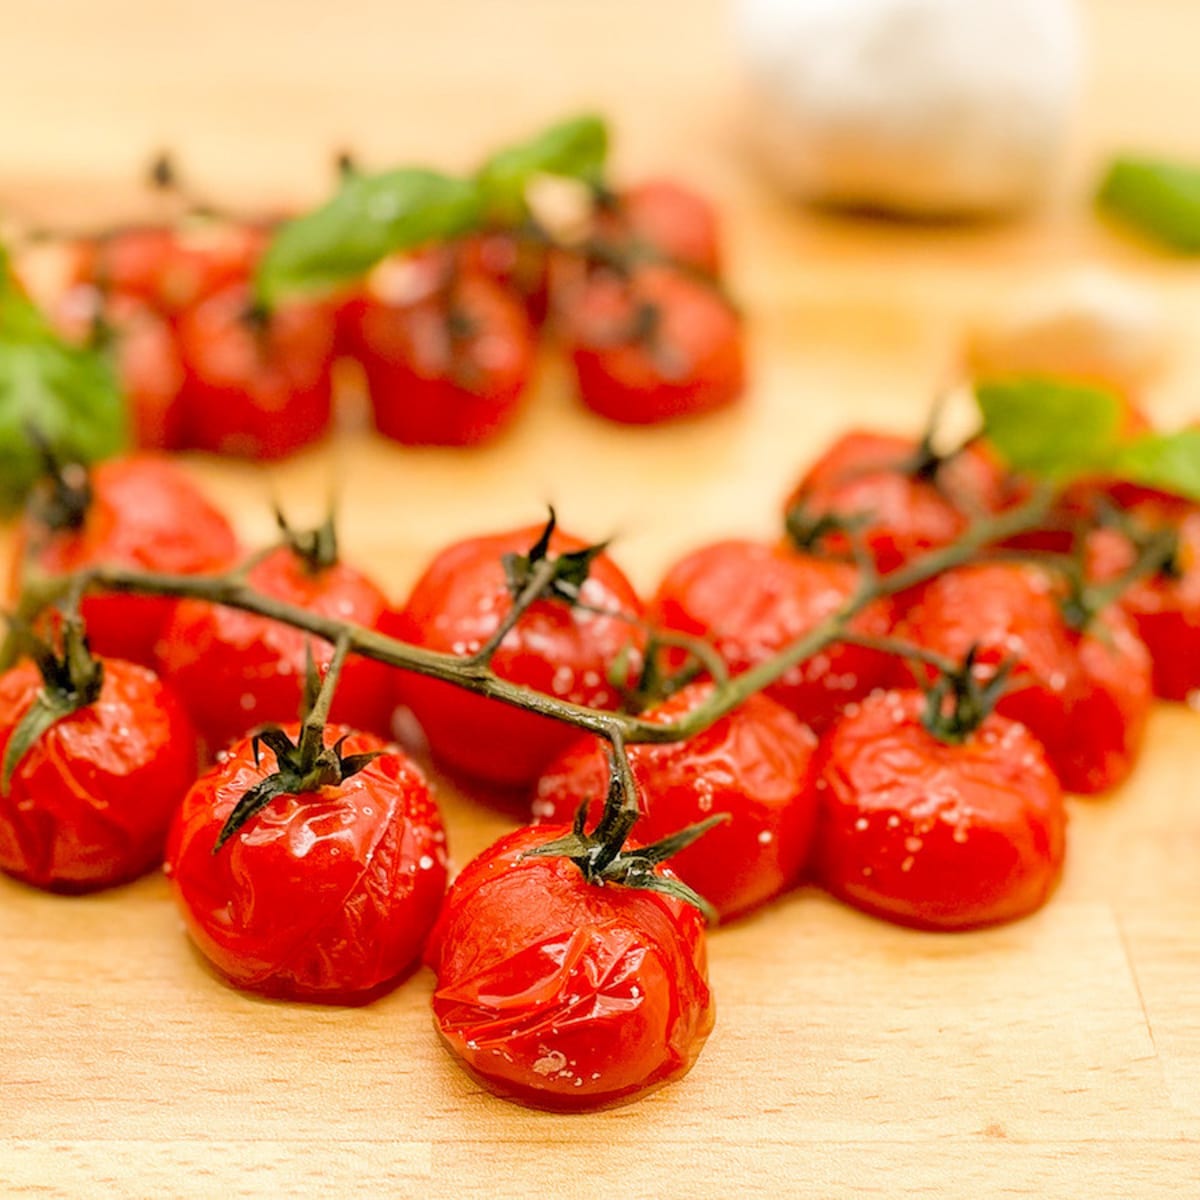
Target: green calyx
[62, 498]
[558, 576]
[316, 548]
[958, 703]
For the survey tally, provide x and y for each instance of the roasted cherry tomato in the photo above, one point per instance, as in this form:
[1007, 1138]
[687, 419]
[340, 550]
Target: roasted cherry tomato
[653, 345]
[325, 896]
[560, 994]
[671, 219]
[238, 670]
[88, 806]
[941, 835]
[141, 512]
[256, 386]
[516, 261]
[755, 765]
[555, 648]
[1085, 696]
[750, 600]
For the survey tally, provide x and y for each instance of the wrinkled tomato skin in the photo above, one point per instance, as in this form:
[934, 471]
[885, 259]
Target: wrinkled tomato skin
[692, 363]
[145, 513]
[560, 994]
[932, 835]
[672, 219]
[754, 765]
[257, 391]
[89, 804]
[327, 896]
[1084, 696]
[430, 387]
[750, 600]
[238, 670]
[455, 607]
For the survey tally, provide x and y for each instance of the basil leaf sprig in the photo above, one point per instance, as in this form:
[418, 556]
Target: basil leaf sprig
[372, 216]
[1159, 199]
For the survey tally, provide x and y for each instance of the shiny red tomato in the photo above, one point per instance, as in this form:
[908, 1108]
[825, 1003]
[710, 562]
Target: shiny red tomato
[560, 994]
[653, 345]
[754, 765]
[325, 896]
[89, 804]
[143, 512]
[517, 262]
[238, 670]
[1085, 696]
[554, 648]
[671, 219]
[750, 600]
[934, 834]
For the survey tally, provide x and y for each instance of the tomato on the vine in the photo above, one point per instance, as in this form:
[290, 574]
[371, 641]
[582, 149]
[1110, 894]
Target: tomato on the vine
[517, 261]
[668, 217]
[561, 994]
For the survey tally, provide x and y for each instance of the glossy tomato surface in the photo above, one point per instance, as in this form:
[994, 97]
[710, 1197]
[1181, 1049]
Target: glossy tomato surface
[750, 600]
[237, 670]
[146, 513]
[325, 896]
[936, 835]
[755, 765]
[89, 804]
[560, 994]
[151, 374]
[555, 648]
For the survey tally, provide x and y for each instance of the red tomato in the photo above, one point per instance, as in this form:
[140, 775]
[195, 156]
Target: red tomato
[1085, 696]
[450, 369]
[656, 345]
[151, 375]
[518, 263]
[675, 221]
[754, 764]
[562, 651]
[931, 834]
[238, 670]
[145, 512]
[89, 804]
[560, 994]
[751, 600]
[325, 896]
[256, 389]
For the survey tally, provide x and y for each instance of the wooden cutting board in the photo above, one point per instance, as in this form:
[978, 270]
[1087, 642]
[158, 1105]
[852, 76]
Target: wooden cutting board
[1058, 1057]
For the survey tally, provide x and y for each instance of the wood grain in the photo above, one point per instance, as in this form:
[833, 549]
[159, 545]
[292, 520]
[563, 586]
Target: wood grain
[1059, 1057]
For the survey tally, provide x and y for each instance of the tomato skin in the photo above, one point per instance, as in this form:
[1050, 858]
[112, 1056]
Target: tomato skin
[1085, 696]
[754, 765]
[259, 392]
[750, 600]
[560, 994]
[933, 835]
[89, 804]
[326, 896]
[151, 374]
[519, 264]
[145, 513]
[432, 387]
[692, 362]
[238, 670]
[674, 220]
[458, 603]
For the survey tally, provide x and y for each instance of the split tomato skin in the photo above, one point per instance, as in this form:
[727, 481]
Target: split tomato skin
[562, 651]
[89, 804]
[933, 835]
[239, 670]
[750, 600]
[755, 765]
[327, 896]
[561, 994]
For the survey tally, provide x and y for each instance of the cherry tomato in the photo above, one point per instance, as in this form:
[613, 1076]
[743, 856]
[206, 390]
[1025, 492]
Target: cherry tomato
[931, 834]
[518, 263]
[89, 804]
[673, 220]
[562, 651]
[257, 387]
[754, 764]
[560, 994]
[238, 670]
[145, 512]
[325, 896]
[750, 600]
[151, 375]
[1085, 696]
[652, 346]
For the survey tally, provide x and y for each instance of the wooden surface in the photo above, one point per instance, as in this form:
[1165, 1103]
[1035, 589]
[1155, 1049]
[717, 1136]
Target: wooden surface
[1059, 1057]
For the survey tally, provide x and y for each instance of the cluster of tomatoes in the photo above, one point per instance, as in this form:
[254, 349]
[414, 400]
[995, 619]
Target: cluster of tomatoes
[445, 338]
[925, 786]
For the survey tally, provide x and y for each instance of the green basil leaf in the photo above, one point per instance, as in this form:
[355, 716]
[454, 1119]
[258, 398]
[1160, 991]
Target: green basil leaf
[1159, 199]
[1169, 462]
[370, 217]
